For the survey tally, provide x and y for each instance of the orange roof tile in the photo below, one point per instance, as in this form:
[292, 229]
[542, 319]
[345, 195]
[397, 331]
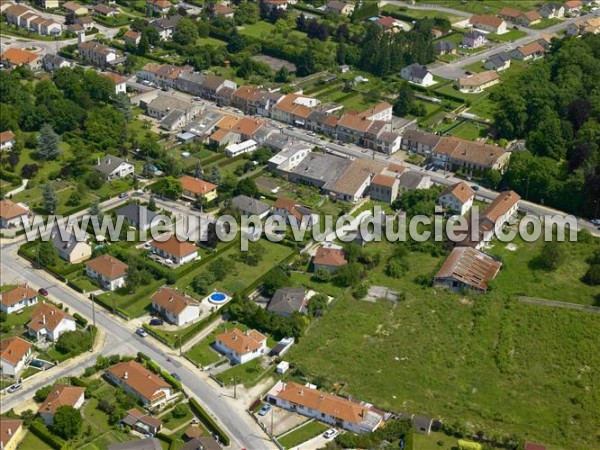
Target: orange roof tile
[197, 186]
[13, 349]
[18, 57]
[501, 205]
[329, 257]
[241, 342]
[384, 180]
[470, 266]
[175, 247]
[8, 429]
[248, 126]
[6, 136]
[140, 379]
[530, 49]
[172, 300]
[115, 78]
[108, 266]
[16, 294]
[485, 19]
[47, 316]
[227, 122]
[462, 191]
[61, 395]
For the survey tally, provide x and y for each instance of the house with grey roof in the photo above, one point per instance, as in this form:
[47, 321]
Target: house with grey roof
[287, 301]
[249, 206]
[51, 62]
[409, 181]
[173, 112]
[204, 124]
[445, 47]
[166, 25]
[136, 215]
[278, 141]
[498, 62]
[320, 170]
[69, 247]
[417, 73]
[287, 159]
[113, 167]
[474, 39]
[190, 82]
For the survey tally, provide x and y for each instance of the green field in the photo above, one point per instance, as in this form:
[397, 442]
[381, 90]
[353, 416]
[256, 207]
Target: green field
[303, 433]
[257, 29]
[210, 41]
[486, 6]
[32, 442]
[545, 23]
[135, 304]
[509, 36]
[421, 14]
[469, 130]
[247, 374]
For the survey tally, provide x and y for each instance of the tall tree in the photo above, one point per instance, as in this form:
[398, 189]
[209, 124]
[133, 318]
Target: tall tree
[50, 198]
[405, 101]
[48, 143]
[67, 422]
[185, 32]
[143, 46]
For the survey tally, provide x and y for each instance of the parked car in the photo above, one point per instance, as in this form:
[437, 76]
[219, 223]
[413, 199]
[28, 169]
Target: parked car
[141, 332]
[156, 322]
[264, 410]
[330, 434]
[43, 292]
[596, 221]
[14, 388]
[177, 377]
[123, 195]
[475, 187]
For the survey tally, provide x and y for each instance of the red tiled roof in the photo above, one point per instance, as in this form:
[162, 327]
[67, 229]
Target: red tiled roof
[115, 78]
[8, 429]
[6, 136]
[47, 316]
[501, 205]
[140, 379]
[470, 266]
[172, 300]
[108, 266]
[462, 191]
[18, 57]
[16, 294]
[241, 342]
[61, 395]
[175, 247]
[485, 19]
[13, 349]
[329, 257]
[197, 186]
[384, 180]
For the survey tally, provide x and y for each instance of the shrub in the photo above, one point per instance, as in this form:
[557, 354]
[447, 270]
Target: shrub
[42, 393]
[74, 342]
[81, 321]
[208, 421]
[40, 430]
[180, 411]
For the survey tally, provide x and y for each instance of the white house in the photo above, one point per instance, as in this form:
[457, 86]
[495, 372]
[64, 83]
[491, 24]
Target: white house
[7, 140]
[179, 252]
[458, 198]
[489, 23]
[249, 206]
[504, 206]
[61, 395]
[289, 158]
[48, 322]
[17, 298]
[108, 270]
[417, 73]
[175, 306]
[152, 390]
[233, 150]
[357, 417]
[552, 11]
[119, 81]
[113, 167]
[241, 346]
[69, 248]
[11, 214]
[14, 356]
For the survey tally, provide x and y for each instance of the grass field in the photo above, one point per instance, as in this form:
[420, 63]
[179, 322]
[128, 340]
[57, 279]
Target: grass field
[303, 433]
[420, 14]
[257, 29]
[454, 359]
[135, 304]
[32, 442]
[545, 23]
[247, 374]
[509, 36]
[210, 41]
[469, 130]
[486, 6]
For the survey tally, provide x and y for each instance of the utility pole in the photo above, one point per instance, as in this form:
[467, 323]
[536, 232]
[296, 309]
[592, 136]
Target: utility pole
[272, 423]
[180, 344]
[234, 387]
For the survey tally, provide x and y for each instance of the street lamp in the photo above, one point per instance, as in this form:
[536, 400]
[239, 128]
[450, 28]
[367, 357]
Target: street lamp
[527, 189]
[234, 387]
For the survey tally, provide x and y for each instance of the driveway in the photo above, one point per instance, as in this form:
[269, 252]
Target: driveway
[282, 420]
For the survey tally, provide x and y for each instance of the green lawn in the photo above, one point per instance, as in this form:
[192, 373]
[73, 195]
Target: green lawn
[32, 442]
[469, 130]
[210, 41]
[203, 354]
[422, 14]
[509, 36]
[545, 23]
[173, 423]
[486, 6]
[437, 355]
[16, 322]
[247, 374]
[517, 276]
[257, 29]
[302, 434]
[135, 304]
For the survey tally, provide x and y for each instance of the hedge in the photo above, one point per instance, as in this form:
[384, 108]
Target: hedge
[167, 376]
[81, 321]
[76, 381]
[12, 178]
[208, 422]
[308, 9]
[42, 432]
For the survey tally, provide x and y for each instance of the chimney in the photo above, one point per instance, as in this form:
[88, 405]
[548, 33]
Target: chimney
[9, 432]
[44, 319]
[125, 375]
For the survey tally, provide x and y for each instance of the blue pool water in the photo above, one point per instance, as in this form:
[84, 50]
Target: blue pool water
[217, 297]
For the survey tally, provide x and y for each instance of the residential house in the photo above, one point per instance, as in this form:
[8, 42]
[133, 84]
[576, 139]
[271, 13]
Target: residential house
[132, 38]
[193, 188]
[319, 170]
[17, 298]
[213, 84]
[572, 7]
[163, 75]
[269, 5]
[445, 47]
[233, 150]
[410, 181]
[161, 7]
[246, 98]
[501, 210]
[356, 417]
[52, 62]
[175, 306]
[97, 54]
[366, 128]
[74, 9]
[149, 443]
[249, 206]
[15, 57]
[286, 160]
[588, 26]
[119, 82]
[292, 212]
[142, 422]
[48, 322]
[498, 62]
[166, 25]
[247, 127]
[287, 301]
[201, 442]
[179, 252]
[190, 82]
[138, 216]
[531, 51]
[384, 188]
[519, 17]
[354, 182]
[104, 10]
[338, 7]
[477, 82]
[15, 353]
[417, 73]
[457, 198]
[453, 153]
[173, 112]
[489, 23]
[474, 39]
[12, 433]
[7, 140]
[241, 346]
[223, 11]
[552, 11]
[69, 247]
[152, 390]
[61, 395]
[108, 271]
[204, 124]
[83, 24]
[47, 4]
[294, 109]
[330, 258]
[266, 102]
[467, 268]
[112, 167]
[13, 13]
[390, 24]
[12, 214]
[415, 141]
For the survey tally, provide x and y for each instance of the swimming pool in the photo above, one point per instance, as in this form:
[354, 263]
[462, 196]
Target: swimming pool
[218, 298]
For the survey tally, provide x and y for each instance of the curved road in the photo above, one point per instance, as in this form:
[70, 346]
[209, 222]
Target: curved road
[120, 339]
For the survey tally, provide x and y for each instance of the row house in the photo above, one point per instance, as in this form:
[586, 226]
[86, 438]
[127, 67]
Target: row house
[96, 53]
[294, 109]
[523, 18]
[190, 82]
[213, 85]
[24, 17]
[454, 153]
[163, 75]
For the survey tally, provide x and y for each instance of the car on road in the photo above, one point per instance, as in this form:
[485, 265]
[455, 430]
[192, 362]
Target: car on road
[475, 187]
[330, 434]
[14, 388]
[141, 332]
[177, 377]
[156, 322]
[123, 195]
[264, 410]
[596, 221]
[43, 292]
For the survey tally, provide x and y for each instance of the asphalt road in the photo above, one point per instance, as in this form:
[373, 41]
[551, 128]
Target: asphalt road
[120, 339]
